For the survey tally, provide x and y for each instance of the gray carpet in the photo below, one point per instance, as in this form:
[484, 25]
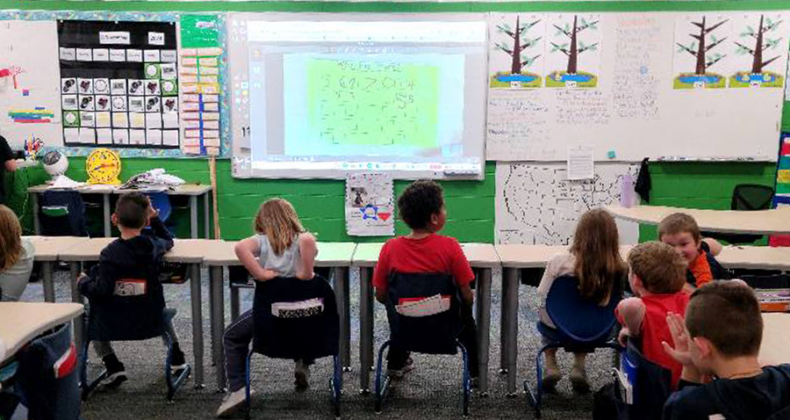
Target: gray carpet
[431, 390]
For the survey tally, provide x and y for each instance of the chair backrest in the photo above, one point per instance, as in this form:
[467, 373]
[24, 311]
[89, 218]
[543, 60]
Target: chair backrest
[424, 312]
[295, 319]
[62, 213]
[161, 202]
[651, 384]
[48, 376]
[579, 319]
[748, 197]
[783, 414]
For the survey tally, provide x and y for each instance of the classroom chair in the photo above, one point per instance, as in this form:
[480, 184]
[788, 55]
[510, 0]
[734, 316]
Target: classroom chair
[296, 319]
[746, 197]
[131, 316]
[161, 202]
[430, 324]
[62, 213]
[582, 326]
[47, 376]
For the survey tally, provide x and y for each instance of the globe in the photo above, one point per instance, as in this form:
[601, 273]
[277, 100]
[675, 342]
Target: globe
[55, 163]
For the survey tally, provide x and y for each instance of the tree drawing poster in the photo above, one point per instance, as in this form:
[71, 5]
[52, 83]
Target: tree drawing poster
[701, 51]
[516, 59]
[758, 51]
[573, 50]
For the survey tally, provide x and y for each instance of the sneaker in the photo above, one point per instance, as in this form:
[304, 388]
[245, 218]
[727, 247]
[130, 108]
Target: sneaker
[301, 375]
[551, 376]
[398, 373]
[178, 363]
[579, 380]
[116, 373]
[232, 402]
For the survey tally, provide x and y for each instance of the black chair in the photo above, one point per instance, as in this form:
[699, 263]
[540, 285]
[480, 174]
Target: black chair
[648, 384]
[297, 319]
[431, 329]
[581, 326]
[130, 317]
[746, 197]
[62, 213]
[47, 376]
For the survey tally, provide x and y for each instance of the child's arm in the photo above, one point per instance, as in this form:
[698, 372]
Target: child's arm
[100, 282]
[248, 250]
[161, 236]
[714, 246]
[308, 250]
[630, 312]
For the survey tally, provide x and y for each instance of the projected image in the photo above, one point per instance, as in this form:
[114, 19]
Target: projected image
[324, 100]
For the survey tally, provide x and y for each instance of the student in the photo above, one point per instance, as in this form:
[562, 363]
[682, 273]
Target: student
[7, 163]
[594, 259]
[680, 231]
[657, 278]
[137, 254]
[721, 338]
[281, 247]
[421, 206]
[16, 256]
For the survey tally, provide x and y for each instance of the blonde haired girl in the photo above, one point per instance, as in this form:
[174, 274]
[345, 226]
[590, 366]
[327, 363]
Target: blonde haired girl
[16, 256]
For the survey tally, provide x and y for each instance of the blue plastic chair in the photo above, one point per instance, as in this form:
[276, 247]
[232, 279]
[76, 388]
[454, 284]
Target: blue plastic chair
[161, 202]
[432, 334]
[651, 385]
[582, 326]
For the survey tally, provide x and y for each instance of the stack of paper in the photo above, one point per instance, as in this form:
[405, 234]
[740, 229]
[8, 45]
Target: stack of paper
[424, 306]
[773, 300]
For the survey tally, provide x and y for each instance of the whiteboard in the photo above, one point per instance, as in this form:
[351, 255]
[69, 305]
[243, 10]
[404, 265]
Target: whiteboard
[33, 47]
[634, 108]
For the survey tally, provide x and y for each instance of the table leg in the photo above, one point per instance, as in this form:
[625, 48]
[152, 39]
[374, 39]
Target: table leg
[193, 216]
[366, 327]
[76, 297]
[107, 221]
[503, 326]
[217, 323]
[47, 281]
[483, 325]
[36, 220]
[510, 301]
[343, 299]
[197, 323]
[206, 220]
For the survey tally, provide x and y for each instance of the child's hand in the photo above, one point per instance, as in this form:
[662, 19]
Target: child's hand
[268, 274]
[622, 338]
[680, 338]
[82, 277]
[688, 288]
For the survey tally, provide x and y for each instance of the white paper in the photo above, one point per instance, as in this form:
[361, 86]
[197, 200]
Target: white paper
[116, 38]
[136, 120]
[170, 137]
[101, 86]
[580, 163]
[117, 55]
[68, 54]
[137, 137]
[101, 54]
[134, 56]
[170, 120]
[369, 204]
[87, 136]
[153, 120]
[103, 120]
[120, 120]
[118, 86]
[104, 136]
[156, 38]
[169, 56]
[120, 136]
[153, 137]
[71, 135]
[88, 119]
[84, 54]
[151, 56]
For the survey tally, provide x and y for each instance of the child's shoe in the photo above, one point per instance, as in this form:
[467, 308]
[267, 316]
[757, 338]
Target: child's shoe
[301, 375]
[579, 380]
[398, 373]
[551, 375]
[178, 362]
[232, 402]
[116, 373]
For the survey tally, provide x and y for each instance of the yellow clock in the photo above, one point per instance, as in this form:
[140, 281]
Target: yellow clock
[103, 167]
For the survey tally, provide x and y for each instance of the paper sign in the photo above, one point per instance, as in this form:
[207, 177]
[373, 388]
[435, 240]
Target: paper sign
[84, 54]
[68, 54]
[101, 54]
[151, 56]
[117, 55]
[369, 204]
[135, 56]
[580, 163]
[156, 38]
[116, 38]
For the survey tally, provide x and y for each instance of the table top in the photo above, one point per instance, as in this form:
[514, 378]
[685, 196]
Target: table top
[87, 251]
[756, 257]
[774, 221]
[49, 248]
[528, 256]
[479, 255]
[188, 251]
[775, 348]
[330, 254]
[20, 322]
[186, 189]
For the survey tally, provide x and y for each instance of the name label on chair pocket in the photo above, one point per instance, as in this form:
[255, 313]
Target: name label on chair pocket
[423, 306]
[130, 287]
[299, 309]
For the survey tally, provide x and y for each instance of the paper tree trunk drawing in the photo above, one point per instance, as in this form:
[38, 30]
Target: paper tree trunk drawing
[759, 43]
[704, 50]
[574, 40]
[522, 45]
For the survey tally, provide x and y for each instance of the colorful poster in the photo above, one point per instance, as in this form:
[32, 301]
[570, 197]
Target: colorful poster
[517, 55]
[573, 51]
[200, 31]
[700, 60]
[758, 50]
[369, 204]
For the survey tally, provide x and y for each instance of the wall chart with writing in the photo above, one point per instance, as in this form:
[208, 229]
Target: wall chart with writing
[119, 84]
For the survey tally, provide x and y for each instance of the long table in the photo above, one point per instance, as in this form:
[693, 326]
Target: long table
[193, 191]
[775, 348]
[21, 322]
[47, 252]
[761, 222]
[482, 258]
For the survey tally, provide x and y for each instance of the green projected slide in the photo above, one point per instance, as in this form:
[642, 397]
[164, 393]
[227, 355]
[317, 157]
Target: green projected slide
[369, 103]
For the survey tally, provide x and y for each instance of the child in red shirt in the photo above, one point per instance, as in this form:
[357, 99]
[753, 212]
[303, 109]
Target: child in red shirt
[657, 277]
[421, 206]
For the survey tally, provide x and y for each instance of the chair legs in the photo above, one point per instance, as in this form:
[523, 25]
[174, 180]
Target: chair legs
[173, 384]
[381, 388]
[534, 397]
[86, 386]
[466, 382]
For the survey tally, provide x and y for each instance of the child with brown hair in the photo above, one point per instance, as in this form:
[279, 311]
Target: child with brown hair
[16, 256]
[594, 259]
[657, 279]
[680, 231]
[721, 338]
[281, 247]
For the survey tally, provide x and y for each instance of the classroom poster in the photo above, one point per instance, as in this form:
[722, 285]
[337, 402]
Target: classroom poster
[573, 50]
[758, 50]
[701, 58]
[516, 59]
[119, 84]
[370, 204]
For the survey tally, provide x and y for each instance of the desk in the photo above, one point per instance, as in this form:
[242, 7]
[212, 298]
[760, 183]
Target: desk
[755, 257]
[193, 191]
[185, 251]
[482, 258]
[760, 222]
[220, 254]
[775, 348]
[21, 322]
[48, 250]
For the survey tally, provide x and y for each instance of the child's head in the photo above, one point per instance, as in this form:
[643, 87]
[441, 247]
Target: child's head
[724, 321]
[680, 231]
[277, 220]
[597, 251]
[10, 238]
[132, 211]
[421, 206]
[656, 268]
